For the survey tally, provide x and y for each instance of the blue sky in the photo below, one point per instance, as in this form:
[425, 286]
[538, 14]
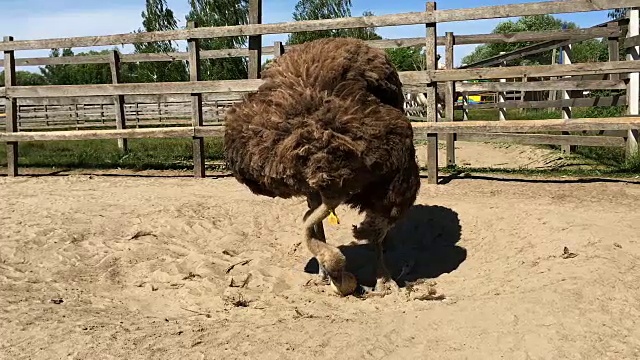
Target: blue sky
[39, 19]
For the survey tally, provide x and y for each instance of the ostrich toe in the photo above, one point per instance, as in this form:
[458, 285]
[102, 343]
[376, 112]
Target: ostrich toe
[345, 285]
[322, 272]
[384, 286]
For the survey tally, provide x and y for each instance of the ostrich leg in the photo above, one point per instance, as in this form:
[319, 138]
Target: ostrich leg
[375, 229]
[329, 257]
[314, 201]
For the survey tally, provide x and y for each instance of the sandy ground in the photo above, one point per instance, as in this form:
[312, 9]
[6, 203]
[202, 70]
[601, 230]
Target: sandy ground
[100, 267]
[497, 156]
[159, 266]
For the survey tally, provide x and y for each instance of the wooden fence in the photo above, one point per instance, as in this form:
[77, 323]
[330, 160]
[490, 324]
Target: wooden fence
[200, 105]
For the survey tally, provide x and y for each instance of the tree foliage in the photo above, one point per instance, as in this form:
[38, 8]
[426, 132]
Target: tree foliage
[158, 17]
[221, 13]
[525, 23]
[26, 78]
[82, 74]
[584, 51]
[408, 58]
[405, 59]
[327, 9]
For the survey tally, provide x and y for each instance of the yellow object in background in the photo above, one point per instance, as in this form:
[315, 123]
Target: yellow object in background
[333, 218]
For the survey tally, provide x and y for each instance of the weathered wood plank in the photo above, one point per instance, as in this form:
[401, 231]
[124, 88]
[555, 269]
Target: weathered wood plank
[176, 132]
[526, 9]
[411, 18]
[544, 139]
[418, 79]
[528, 36]
[619, 100]
[421, 129]
[613, 49]
[566, 55]
[11, 109]
[411, 78]
[610, 67]
[449, 99]
[278, 49]
[218, 86]
[431, 50]
[130, 99]
[118, 100]
[196, 104]
[255, 41]
[632, 41]
[633, 86]
[543, 85]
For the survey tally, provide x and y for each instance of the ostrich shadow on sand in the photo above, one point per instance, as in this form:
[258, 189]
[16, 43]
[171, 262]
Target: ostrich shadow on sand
[422, 245]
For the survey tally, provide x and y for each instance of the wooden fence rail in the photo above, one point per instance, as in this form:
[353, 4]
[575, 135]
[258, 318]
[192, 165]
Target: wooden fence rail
[116, 103]
[412, 80]
[571, 34]
[411, 18]
[422, 130]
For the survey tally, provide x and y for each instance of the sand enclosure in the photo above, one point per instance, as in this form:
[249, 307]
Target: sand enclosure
[170, 267]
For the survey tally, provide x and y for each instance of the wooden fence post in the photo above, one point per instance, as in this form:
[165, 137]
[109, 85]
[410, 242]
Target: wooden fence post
[465, 103]
[278, 49]
[502, 96]
[255, 42]
[565, 53]
[553, 94]
[449, 99]
[614, 49]
[11, 109]
[118, 100]
[633, 86]
[196, 104]
[431, 50]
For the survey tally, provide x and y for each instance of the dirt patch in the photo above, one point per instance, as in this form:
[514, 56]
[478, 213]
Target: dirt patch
[497, 155]
[171, 267]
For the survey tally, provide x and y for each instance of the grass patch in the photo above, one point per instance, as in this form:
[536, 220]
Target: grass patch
[610, 157]
[541, 114]
[176, 154]
[144, 154]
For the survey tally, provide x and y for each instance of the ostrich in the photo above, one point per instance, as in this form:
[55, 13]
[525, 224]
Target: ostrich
[327, 124]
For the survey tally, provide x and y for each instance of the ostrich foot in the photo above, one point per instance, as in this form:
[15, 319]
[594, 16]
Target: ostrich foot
[384, 287]
[343, 285]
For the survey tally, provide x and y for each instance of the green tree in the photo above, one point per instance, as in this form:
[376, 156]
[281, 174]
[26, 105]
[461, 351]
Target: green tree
[26, 78]
[404, 59]
[327, 9]
[158, 17]
[525, 23]
[58, 74]
[82, 74]
[221, 13]
[407, 58]
[589, 50]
